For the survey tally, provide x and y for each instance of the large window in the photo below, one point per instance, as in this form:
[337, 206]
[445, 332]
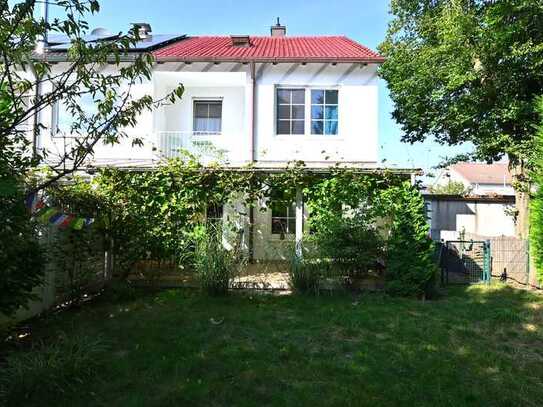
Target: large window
[300, 109]
[64, 117]
[283, 218]
[207, 116]
[324, 111]
[290, 111]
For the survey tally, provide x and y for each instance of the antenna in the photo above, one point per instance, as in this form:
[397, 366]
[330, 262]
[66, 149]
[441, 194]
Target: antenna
[278, 23]
[42, 42]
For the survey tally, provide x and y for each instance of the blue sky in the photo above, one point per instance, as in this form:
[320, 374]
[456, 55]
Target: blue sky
[362, 20]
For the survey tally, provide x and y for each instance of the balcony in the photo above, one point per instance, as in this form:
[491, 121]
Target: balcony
[205, 146]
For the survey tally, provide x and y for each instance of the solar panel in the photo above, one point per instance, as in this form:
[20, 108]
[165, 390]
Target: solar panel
[61, 42]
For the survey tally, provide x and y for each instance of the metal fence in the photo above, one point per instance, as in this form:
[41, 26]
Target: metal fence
[465, 262]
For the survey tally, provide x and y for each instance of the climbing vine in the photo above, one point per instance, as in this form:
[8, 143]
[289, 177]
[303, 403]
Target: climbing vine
[357, 218]
[536, 210]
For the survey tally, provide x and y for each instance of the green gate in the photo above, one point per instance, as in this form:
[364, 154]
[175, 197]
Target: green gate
[466, 262]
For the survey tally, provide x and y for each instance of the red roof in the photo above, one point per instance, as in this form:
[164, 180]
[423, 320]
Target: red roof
[478, 173]
[266, 49]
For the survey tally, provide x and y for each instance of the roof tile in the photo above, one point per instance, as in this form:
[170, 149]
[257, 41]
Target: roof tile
[478, 173]
[333, 48]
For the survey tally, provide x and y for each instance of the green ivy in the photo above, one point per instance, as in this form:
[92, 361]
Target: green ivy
[536, 205]
[154, 214]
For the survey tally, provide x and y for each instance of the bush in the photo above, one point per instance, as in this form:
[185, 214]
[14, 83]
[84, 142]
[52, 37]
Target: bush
[21, 256]
[78, 259]
[306, 274]
[215, 266]
[410, 266]
[352, 245]
[58, 367]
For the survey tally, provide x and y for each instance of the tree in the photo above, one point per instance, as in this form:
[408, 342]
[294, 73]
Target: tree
[29, 83]
[468, 71]
[450, 188]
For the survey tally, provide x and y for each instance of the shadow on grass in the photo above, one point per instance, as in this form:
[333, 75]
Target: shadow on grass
[476, 346]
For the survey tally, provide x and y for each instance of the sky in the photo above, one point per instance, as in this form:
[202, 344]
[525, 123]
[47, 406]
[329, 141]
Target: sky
[364, 21]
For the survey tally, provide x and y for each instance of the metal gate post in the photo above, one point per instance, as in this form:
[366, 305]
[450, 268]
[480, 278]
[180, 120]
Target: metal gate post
[486, 263]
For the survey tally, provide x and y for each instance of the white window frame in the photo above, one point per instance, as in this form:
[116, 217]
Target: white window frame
[55, 131]
[307, 117]
[193, 112]
[221, 219]
[289, 234]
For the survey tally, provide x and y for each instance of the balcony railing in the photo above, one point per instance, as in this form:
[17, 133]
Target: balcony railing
[206, 146]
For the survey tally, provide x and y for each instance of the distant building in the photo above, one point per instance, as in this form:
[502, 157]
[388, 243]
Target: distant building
[481, 179]
[450, 216]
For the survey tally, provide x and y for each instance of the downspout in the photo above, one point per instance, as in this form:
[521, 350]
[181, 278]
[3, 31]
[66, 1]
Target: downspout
[36, 118]
[252, 143]
[253, 110]
[41, 48]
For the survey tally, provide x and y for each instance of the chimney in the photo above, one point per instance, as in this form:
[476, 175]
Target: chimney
[240, 41]
[144, 29]
[278, 30]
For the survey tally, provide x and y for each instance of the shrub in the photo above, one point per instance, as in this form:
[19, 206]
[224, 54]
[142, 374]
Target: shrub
[77, 256]
[58, 367]
[21, 256]
[215, 265]
[410, 266]
[306, 274]
[351, 244]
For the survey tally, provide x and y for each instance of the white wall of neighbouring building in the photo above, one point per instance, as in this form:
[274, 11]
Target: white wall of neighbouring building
[448, 218]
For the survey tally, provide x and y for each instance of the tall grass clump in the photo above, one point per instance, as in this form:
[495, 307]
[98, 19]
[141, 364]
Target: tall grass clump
[60, 367]
[215, 265]
[306, 273]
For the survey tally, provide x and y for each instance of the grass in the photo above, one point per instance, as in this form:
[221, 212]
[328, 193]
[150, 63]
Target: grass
[478, 346]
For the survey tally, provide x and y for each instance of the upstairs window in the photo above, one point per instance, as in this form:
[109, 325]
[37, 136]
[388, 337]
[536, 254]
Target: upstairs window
[207, 116]
[290, 111]
[324, 112]
[283, 218]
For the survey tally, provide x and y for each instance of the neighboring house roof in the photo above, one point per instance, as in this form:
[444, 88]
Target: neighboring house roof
[280, 49]
[477, 173]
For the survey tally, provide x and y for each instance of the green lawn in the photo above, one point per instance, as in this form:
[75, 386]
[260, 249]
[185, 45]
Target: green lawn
[478, 346]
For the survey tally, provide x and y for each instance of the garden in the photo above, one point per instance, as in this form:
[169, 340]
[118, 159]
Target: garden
[476, 346]
[108, 342]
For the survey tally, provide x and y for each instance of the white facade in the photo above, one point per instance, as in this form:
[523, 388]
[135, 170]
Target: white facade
[171, 127]
[247, 133]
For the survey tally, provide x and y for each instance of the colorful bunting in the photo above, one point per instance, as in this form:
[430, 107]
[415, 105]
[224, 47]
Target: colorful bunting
[34, 202]
[67, 221]
[45, 215]
[78, 224]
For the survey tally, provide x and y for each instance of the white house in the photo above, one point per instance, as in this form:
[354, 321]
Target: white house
[482, 179]
[248, 99]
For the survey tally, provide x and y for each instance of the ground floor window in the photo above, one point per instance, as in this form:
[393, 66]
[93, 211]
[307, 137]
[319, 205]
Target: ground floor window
[214, 214]
[283, 219]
